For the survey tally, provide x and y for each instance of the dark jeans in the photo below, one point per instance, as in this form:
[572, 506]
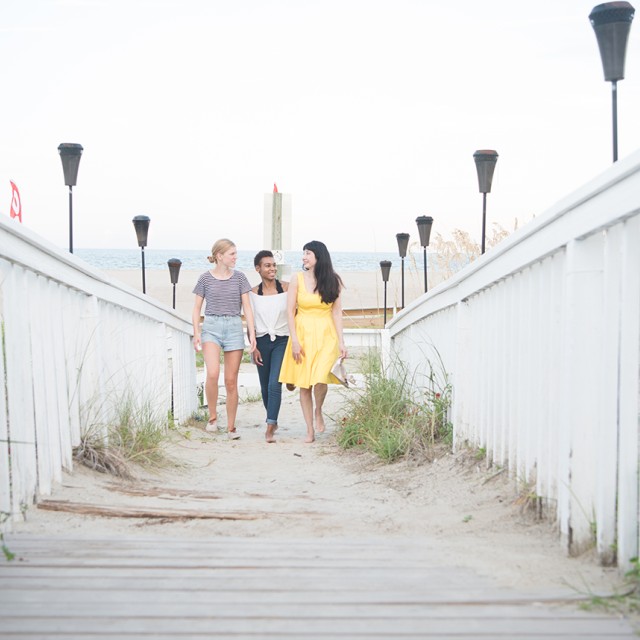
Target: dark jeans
[272, 355]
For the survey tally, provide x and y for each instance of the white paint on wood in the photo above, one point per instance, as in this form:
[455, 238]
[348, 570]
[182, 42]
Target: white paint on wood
[628, 404]
[546, 336]
[76, 346]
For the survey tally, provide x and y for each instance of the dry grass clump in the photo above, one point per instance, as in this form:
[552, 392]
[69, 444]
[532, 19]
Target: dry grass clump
[136, 437]
[97, 454]
[453, 254]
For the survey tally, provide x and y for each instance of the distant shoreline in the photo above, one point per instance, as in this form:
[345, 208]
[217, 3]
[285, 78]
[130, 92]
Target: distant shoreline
[123, 259]
[363, 289]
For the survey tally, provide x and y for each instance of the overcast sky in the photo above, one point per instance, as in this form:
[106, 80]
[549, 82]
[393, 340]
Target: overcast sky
[366, 111]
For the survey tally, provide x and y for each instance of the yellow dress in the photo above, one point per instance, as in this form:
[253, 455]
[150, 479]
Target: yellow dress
[318, 338]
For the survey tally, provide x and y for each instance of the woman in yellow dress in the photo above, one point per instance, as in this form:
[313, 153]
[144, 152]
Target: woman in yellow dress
[314, 314]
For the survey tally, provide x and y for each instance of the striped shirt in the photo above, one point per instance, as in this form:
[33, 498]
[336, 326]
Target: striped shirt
[222, 297]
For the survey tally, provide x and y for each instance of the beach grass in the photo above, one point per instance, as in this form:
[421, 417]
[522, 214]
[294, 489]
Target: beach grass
[391, 418]
[135, 437]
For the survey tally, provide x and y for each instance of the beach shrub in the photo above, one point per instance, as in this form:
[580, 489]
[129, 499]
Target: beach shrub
[136, 436]
[391, 418]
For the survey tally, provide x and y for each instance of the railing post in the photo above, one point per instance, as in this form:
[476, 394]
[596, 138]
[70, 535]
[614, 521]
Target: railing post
[580, 418]
[628, 392]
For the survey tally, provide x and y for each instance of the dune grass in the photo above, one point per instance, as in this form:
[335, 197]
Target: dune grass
[393, 419]
[135, 437]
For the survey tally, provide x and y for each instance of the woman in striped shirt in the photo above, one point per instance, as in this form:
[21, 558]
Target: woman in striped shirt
[226, 293]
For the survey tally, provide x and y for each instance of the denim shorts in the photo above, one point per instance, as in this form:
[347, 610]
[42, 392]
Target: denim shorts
[225, 331]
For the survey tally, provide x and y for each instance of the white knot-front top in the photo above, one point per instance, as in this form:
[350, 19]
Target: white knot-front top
[270, 314]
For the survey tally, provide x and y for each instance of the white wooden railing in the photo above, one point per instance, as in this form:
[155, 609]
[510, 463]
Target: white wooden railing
[540, 338]
[75, 347]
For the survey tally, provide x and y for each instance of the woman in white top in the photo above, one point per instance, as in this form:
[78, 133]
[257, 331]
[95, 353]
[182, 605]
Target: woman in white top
[269, 303]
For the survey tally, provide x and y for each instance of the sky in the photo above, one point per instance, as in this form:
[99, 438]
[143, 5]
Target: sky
[367, 112]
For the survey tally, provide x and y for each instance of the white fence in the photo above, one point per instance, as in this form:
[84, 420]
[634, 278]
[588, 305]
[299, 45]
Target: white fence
[76, 347]
[541, 339]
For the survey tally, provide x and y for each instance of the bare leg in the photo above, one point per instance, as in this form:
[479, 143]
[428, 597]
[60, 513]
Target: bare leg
[320, 393]
[306, 402]
[232, 360]
[211, 353]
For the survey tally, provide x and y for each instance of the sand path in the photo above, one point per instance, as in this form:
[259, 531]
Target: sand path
[293, 490]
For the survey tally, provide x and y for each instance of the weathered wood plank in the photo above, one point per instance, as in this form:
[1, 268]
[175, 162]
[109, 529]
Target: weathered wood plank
[308, 635]
[250, 588]
[172, 601]
[390, 627]
[89, 509]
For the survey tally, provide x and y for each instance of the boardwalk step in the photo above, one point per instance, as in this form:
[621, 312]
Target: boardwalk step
[141, 587]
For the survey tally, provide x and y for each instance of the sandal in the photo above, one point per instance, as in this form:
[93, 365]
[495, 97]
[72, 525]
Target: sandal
[212, 425]
[232, 434]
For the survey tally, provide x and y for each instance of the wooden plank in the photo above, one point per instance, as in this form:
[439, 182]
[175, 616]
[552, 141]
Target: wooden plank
[115, 587]
[206, 608]
[19, 390]
[43, 376]
[384, 627]
[149, 512]
[81, 597]
[307, 635]
[628, 389]
[327, 547]
[5, 480]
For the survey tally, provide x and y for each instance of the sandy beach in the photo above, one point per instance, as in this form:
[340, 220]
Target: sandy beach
[363, 289]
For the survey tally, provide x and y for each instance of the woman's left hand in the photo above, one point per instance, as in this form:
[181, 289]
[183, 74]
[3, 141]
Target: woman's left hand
[343, 351]
[252, 344]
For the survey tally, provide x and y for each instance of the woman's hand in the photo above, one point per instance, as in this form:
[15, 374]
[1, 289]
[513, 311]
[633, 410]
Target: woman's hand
[257, 357]
[197, 345]
[343, 351]
[252, 344]
[297, 351]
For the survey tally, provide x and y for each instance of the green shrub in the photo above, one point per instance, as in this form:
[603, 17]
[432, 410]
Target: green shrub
[393, 419]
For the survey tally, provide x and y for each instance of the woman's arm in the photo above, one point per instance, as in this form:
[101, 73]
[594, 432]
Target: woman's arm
[248, 316]
[292, 302]
[195, 320]
[336, 312]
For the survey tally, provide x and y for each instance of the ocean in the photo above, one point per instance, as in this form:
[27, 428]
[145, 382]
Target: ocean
[111, 259]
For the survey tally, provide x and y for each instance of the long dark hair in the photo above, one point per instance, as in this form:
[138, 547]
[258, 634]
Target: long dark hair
[328, 282]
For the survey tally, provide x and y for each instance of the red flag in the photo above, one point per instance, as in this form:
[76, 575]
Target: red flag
[16, 203]
[275, 188]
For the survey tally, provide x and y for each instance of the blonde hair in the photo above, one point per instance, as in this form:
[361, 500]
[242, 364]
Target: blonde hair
[220, 246]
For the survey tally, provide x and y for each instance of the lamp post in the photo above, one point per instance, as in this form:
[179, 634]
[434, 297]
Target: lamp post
[612, 22]
[385, 267]
[403, 243]
[485, 160]
[141, 224]
[424, 229]
[70, 153]
[174, 272]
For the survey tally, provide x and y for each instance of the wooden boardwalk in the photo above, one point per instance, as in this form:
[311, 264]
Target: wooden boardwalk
[137, 587]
